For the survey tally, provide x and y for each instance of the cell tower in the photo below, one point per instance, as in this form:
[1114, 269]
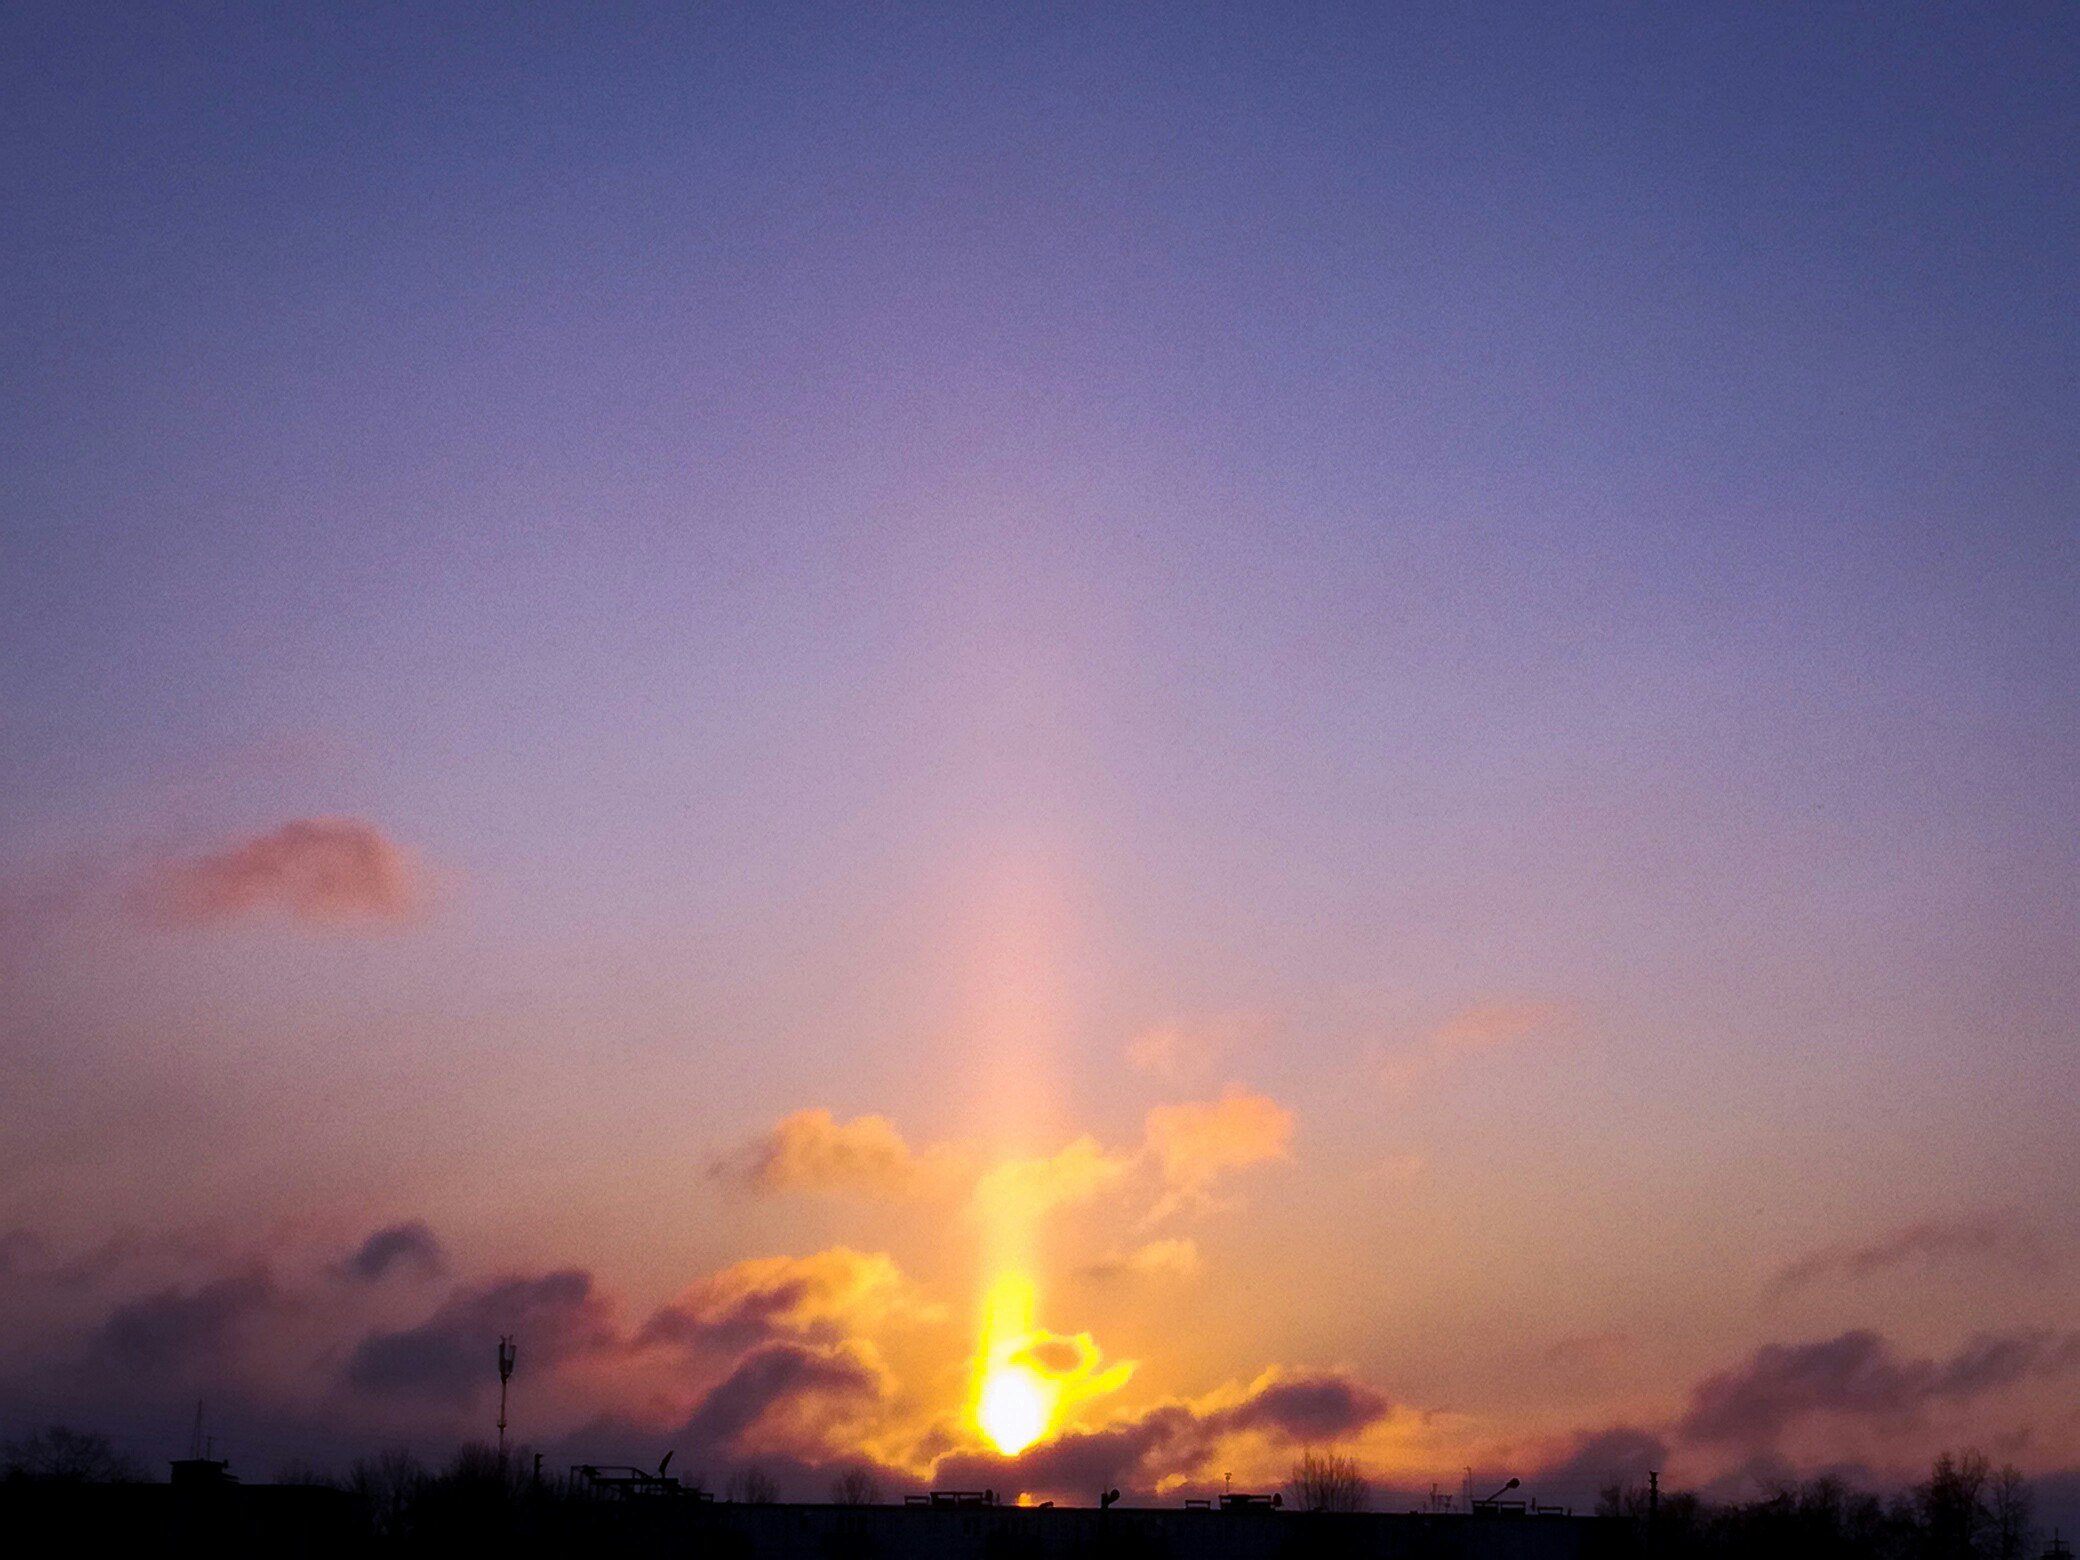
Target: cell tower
[506, 1352]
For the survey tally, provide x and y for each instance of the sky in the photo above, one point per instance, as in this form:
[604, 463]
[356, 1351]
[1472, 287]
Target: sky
[1319, 726]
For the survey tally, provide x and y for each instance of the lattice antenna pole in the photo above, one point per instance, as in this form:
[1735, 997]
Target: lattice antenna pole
[506, 1353]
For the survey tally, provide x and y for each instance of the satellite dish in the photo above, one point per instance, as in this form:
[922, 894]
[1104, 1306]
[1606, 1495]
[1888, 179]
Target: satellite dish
[1105, 1500]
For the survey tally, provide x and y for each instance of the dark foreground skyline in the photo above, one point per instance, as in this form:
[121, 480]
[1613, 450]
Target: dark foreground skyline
[62, 1484]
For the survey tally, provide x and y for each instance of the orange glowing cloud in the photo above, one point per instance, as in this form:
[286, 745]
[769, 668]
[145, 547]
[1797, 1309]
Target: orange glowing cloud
[1022, 1189]
[812, 1151]
[828, 1295]
[1185, 1149]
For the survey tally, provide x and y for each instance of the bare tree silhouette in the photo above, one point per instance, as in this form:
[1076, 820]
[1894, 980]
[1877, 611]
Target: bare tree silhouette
[387, 1484]
[855, 1487]
[1328, 1481]
[2009, 1509]
[752, 1487]
[59, 1454]
[1951, 1505]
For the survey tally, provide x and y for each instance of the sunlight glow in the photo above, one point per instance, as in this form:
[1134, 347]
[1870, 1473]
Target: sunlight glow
[1013, 1401]
[1014, 1407]
[1027, 1377]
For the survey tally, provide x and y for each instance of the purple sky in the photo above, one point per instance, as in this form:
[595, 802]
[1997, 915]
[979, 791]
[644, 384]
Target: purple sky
[575, 583]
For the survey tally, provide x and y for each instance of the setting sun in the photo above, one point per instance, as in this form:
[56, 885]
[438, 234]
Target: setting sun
[1013, 1407]
[1014, 1400]
[1025, 1376]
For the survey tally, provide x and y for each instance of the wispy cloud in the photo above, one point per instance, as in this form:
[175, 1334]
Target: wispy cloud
[1181, 1048]
[1176, 1258]
[1997, 1239]
[1196, 1143]
[1483, 1027]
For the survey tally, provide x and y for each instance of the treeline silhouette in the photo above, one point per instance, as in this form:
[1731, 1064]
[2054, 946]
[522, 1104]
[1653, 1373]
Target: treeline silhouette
[393, 1502]
[1964, 1510]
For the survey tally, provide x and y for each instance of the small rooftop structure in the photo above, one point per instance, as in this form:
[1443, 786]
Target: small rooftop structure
[197, 1473]
[620, 1481]
[1501, 1508]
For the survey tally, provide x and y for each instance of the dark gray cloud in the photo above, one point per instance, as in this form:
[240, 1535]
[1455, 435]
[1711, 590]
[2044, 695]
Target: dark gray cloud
[1317, 1407]
[450, 1357]
[831, 1379]
[1999, 1239]
[1621, 1454]
[407, 1247]
[1993, 1360]
[745, 1319]
[162, 1333]
[1858, 1373]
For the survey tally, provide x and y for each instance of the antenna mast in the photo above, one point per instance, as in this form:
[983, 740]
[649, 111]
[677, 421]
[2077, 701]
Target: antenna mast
[506, 1352]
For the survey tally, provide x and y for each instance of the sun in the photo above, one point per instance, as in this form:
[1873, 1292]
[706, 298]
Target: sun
[1014, 1402]
[1013, 1407]
[1027, 1378]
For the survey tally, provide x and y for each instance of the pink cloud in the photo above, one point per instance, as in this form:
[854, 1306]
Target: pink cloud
[318, 871]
